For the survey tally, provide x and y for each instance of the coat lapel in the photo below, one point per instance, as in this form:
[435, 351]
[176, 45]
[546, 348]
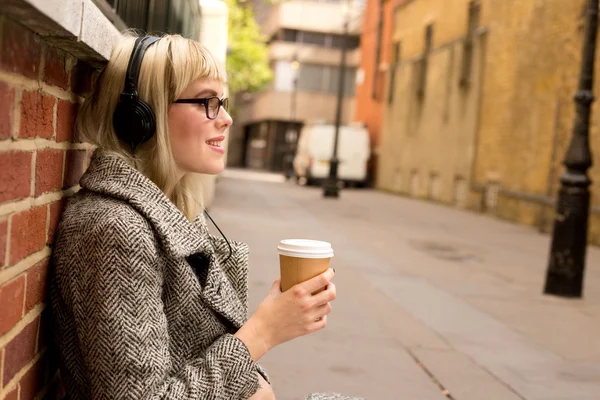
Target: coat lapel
[219, 294]
[112, 176]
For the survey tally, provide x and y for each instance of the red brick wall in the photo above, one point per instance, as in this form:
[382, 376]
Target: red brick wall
[40, 164]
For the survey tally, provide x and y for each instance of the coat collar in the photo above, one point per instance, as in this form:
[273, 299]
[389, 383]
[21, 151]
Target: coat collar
[110, 175]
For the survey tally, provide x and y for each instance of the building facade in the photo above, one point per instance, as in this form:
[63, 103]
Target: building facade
[377, 54]
[305, 41]
[480, 106]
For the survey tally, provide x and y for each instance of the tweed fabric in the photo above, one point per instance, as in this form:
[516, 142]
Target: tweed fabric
[142, 303]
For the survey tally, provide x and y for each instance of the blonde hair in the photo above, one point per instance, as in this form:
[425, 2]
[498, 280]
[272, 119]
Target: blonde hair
[168, 67]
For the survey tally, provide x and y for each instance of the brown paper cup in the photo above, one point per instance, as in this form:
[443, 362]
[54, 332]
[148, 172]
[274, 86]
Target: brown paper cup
[295, 270]
[301, 260]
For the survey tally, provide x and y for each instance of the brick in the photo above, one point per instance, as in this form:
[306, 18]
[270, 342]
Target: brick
[3, 237]
[55, 67]
[48, 170]
[20, 50]
[74, 167]
[83, 77]
[7, 97]
[13, 395]
[56, 210]
[27, 233]
[65, 120]
[15, 175]
[37, 112]
[11, 298]
[36, 285]
[32, 382]
[20, 350]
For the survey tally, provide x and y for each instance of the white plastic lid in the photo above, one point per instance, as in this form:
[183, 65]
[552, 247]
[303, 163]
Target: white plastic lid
[305, 248]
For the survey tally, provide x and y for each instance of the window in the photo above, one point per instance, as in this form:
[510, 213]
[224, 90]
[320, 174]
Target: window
[350, 81]
[315, 38]
[289, 35]
[334, 79]
[352, 42]
[311, 78]
[320, 79]
[467, 61]
[423, 64]
[393, 68]
[377, 76]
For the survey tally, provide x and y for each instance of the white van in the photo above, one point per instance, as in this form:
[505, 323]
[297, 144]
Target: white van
[315, 148]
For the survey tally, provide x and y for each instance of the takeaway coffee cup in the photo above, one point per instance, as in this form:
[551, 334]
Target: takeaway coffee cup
[302, 259]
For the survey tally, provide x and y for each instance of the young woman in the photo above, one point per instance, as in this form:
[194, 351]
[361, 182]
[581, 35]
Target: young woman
[146, 303]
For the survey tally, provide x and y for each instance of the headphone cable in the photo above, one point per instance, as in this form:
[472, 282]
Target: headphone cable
[222, 234]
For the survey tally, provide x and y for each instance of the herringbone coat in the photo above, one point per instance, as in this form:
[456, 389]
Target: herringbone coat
[143, 305]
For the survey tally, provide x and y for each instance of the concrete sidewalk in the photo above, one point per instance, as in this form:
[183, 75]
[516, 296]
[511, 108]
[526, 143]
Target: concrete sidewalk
[432, 302]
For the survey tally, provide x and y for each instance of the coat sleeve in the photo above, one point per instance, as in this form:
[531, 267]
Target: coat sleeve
[122, 329]
[261, 370]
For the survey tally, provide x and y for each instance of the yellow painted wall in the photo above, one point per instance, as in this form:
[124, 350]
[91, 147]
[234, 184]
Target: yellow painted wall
[527, 112]
[428, 144]
[509, 135]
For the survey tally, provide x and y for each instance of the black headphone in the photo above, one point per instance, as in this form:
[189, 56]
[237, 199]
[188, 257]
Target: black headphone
[133, 119]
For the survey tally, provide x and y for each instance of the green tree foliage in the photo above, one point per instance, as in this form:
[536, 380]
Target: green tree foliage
[247, 61]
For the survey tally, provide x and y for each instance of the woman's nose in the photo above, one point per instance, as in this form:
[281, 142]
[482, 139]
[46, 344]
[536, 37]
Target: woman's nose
[225, 119]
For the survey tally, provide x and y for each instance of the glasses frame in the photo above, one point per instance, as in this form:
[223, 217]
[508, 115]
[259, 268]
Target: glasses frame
[224, 103]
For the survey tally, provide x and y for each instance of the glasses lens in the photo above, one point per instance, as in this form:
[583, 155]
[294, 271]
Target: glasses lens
[213, 107]
[226, 104]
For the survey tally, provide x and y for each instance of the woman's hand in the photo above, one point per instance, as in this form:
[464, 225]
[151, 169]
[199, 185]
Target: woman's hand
[285, 316]
[296, 312]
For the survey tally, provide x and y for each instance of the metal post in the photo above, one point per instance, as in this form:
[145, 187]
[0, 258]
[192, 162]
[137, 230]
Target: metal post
[569, 240]
[330, 188]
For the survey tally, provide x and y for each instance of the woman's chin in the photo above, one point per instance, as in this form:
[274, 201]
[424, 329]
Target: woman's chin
[213, 169]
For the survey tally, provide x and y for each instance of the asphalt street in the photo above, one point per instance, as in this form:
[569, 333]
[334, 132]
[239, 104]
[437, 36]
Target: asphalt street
[433, 302]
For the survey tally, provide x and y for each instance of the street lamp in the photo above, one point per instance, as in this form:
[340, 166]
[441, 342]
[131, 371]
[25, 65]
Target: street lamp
[330, 188]
[291, 134]
[569, 239]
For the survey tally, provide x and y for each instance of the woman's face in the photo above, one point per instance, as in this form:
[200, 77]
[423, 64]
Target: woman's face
[197, 141]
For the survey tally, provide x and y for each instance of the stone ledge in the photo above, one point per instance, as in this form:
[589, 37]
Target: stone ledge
[76, 26]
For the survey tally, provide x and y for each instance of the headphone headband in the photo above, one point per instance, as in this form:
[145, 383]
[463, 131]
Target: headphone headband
[135, 64]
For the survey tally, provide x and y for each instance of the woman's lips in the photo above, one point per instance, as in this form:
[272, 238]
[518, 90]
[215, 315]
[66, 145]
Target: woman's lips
[215, 144]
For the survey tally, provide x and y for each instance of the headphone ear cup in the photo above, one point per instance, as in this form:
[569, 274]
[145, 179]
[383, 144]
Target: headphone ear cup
[134, 122]
[146, 124]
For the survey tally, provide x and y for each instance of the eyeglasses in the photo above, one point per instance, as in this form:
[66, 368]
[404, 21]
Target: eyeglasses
[211, 104]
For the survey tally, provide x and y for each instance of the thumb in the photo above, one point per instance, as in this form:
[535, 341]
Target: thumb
[276, 288]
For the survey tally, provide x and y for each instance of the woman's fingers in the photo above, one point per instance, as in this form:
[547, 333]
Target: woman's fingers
[326, 295]
[320, 323]
[321, 311]
[318, 282]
